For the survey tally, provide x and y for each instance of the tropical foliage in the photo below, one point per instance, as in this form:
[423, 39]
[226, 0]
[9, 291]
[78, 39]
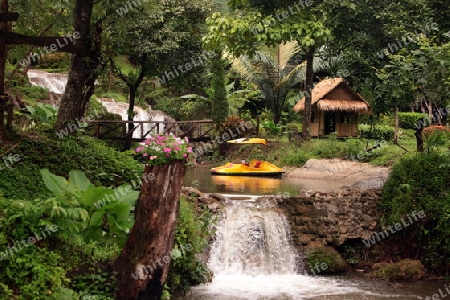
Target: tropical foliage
[420, 183]
[275, 76]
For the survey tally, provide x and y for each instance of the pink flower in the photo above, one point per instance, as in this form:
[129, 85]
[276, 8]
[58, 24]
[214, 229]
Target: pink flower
[167, 150]
[145, 154]
[187, 140]
[177, 148]
[139, 149]
[189, 149]
[185, 155]
[153, 157]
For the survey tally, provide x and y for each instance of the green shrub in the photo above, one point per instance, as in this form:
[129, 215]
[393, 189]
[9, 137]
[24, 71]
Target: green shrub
[103, 165]
[96, 283]
[35, 272]
[407, 270]
[81, 229]
[43, 113]
[353, 147]
[419, 182]
[271, 128]
[54, 60]
[236, 125]
[295, 157]
[191, 238]
[408, 120]
[293, 127]
[377, 132]
[385, 119]
[31, 93]
[329, 147]
[434, 137]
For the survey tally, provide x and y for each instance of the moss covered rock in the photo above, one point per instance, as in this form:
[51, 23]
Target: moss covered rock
[404, 270]
[325, 260]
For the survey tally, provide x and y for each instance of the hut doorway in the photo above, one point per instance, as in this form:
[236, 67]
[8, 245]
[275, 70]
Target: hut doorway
[330, 122]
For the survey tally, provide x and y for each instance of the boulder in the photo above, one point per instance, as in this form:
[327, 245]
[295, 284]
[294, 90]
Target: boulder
[324, 260]
[404, 270]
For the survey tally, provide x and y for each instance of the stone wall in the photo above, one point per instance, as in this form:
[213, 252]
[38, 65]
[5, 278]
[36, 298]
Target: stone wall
[319, 219]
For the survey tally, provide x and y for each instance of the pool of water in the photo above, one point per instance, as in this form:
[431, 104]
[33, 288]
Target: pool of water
[201, 178]
[297, 287]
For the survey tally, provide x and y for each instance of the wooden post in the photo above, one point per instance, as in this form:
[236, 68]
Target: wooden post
[143, 266]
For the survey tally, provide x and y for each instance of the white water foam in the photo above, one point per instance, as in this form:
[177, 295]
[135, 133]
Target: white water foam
[54, 82]
[121, 108]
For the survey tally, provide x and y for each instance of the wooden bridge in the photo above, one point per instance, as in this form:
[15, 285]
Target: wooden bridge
[195, 130]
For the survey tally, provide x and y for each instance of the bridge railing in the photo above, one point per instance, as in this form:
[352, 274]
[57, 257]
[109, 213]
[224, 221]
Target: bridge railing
[119, 129]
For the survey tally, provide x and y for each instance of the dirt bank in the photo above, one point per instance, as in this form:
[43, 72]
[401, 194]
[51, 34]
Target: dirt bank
[339, 173]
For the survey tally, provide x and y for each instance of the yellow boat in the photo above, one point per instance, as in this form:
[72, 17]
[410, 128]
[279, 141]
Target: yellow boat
[248, 141]
[254, 168]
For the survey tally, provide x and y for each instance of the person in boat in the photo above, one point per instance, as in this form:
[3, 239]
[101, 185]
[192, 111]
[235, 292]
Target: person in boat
[243, 162]
[257, 164]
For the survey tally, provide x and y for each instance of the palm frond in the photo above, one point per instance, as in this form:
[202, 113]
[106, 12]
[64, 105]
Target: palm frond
[286, 52]
[244, 67]
[298, 74]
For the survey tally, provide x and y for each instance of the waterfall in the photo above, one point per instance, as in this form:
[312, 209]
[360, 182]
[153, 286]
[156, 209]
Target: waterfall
[121, 108]
[253, 239]
[253, 259]
[54, 82]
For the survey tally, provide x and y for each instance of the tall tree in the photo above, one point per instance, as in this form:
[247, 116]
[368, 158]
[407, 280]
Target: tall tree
[158, 43]
[243, 31]
[415, 76]
[364, 33]
[81, 80]
[220, 107]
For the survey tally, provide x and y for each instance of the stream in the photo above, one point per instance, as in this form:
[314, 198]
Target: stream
[252, 257]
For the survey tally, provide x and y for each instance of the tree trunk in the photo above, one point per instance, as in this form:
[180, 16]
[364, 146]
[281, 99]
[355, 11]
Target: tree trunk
[396, 125]
[419, 137]
[143, 265]
[132, 87]
[71, 107]
[277, 116]
[306, 128]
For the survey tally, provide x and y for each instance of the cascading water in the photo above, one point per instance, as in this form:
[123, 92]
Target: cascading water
[252, 258]
[121, 108]
[253, 240]
[54, 82]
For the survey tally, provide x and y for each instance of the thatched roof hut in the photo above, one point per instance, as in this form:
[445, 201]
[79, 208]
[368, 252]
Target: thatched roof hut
[335, 108]
[334, 94]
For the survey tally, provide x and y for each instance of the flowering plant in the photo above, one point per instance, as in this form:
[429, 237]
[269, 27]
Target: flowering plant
[161, 149]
